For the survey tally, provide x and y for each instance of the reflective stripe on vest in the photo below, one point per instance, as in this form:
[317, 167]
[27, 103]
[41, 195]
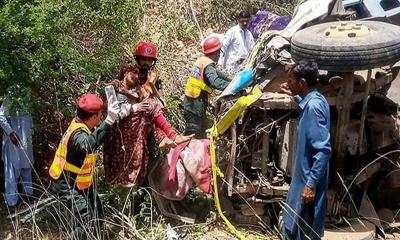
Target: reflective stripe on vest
[84, 177]
[195, 83]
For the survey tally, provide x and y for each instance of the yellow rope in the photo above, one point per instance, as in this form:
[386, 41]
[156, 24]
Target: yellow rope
[216, 171]
[227, 120]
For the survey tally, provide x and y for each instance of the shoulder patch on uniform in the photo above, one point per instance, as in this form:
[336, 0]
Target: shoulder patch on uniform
[195, 72]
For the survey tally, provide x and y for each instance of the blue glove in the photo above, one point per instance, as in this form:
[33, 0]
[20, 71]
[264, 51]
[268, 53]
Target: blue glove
[246, 77]
[240, 81]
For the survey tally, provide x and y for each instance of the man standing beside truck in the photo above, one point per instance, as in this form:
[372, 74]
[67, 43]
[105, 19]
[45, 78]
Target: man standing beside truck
[305, 209]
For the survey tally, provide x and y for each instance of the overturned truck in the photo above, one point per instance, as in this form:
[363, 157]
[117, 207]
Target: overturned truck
[359, 78]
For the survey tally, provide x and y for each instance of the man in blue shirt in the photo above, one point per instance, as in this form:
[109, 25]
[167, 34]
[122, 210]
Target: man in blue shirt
[305, 209]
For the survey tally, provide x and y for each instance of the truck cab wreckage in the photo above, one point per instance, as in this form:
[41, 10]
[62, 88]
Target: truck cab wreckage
[357, 48]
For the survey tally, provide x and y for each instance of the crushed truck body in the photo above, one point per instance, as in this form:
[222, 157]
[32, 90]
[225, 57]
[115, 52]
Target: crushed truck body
[360, 82]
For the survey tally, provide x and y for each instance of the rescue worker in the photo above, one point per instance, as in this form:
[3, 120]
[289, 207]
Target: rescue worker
[74, 164]
[146, 58]
[203, 78]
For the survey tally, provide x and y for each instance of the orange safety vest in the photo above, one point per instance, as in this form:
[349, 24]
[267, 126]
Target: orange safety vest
[195, 83]
[85, 173]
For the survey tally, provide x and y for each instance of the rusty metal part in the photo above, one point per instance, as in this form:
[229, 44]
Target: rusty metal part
[343, 107]
[270, 190]
[238, 217]
[353, 139]
[263, 188]
[258, 200]
[364, 112]
[265, 148]
[271, 101]
[352, 229]
[368, 172]
[367, 211]
[288, 146]
[382, 129]
[392, 179]
[252, 209]
[231, 164]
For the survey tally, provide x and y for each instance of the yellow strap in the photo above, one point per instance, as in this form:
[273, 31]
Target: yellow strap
[74, 169]
[193, 90]
[215, 171]
[55, 169]
[88, 178]
[199, 83]
[226, 121]
[90, 158]
[234, 112]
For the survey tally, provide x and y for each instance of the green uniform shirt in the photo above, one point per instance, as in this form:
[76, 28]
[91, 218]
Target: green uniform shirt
[214, 79]
[81, 143]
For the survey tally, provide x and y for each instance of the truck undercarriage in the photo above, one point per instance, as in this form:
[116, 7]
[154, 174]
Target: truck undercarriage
[361, 86]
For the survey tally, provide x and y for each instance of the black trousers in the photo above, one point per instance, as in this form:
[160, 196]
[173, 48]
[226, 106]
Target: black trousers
[195, 124]
[85, 205]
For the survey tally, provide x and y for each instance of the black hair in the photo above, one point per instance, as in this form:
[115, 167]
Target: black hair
[307, 70]
[138, 57]
[82, 114]
[243, 14]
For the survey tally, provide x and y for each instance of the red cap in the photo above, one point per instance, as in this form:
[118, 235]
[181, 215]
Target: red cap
[90, 102]
[211, 44]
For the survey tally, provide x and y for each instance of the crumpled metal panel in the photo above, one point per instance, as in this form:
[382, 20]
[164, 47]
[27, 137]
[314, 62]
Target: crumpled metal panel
[305, 13]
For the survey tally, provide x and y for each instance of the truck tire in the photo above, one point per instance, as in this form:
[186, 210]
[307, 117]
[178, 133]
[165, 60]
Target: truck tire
[349, 45]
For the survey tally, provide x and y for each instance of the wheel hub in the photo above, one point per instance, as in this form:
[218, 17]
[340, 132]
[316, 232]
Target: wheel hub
[347, 29]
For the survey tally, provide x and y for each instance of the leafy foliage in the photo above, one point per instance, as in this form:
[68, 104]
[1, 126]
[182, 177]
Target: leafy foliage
[61, 49]
[63, 45]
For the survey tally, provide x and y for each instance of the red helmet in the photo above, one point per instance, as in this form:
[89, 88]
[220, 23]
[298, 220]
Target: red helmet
[146, 49]
[211, 44]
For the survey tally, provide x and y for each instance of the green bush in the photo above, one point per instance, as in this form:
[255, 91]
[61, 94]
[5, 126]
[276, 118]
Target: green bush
[62, 49]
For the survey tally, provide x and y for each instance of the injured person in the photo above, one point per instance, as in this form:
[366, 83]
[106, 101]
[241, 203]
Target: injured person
[185, 165]
[126, 153]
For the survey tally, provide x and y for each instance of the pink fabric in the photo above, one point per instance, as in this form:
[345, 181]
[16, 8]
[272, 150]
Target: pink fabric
[184, 166]
[175, 156]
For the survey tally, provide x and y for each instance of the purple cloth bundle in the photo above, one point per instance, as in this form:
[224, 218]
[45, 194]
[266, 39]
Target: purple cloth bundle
[265, 20]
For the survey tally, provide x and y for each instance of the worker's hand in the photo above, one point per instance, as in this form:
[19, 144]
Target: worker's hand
[284, 87]
[125, 110]
[141, 107]
[113, 113]
[15, 139]
[167, 143]
[153, 77]
[308, 195]
[181, 139]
